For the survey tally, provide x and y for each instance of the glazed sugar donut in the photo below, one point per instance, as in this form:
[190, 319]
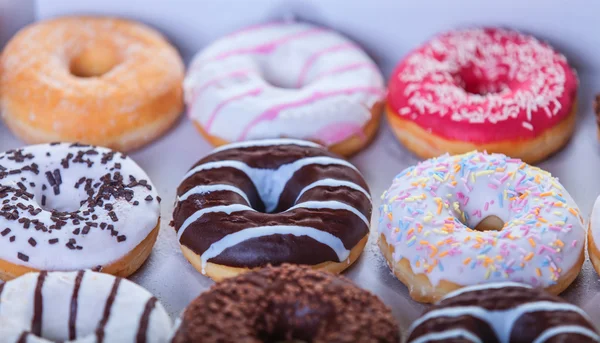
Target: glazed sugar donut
[287, 304]
[286, 80]
[103, 81]
[263, 202]
[80, 307]
[483, 89]
[456, 221]
[501, 313]
[72, 206]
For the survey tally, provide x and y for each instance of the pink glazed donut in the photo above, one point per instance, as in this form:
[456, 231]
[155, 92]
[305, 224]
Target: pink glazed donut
[286, 79]
[483, 89]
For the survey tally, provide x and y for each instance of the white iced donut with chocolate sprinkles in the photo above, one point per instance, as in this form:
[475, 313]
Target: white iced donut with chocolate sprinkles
[286, 79]
[475, 218]
[80, 307]
[71, 206]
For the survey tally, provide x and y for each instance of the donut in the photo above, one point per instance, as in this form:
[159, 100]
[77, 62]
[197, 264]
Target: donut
[262, 202]
[70, 206]
[78, 307]
[594, 236]
[286, 79]
[102, 81]
[483, 89]
[503, 312]
[476, 218]
[287, 304]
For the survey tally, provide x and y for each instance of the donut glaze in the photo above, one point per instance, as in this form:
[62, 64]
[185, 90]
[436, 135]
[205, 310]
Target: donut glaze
[72, 206]
[502, 313]
[104, 81]
[283, 79]
[80, 307]
[287, 303]
[430, 211]
[272, 201]
[483, 85]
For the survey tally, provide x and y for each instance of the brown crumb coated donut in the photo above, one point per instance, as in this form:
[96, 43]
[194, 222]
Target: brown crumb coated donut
[287, 303]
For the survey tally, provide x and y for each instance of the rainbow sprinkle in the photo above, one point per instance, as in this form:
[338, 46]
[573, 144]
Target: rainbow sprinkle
[441, 201]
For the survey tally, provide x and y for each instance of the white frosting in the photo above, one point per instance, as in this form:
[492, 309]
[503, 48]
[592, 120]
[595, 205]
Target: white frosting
[283, 80]
[238, 237]
[204, 189]
[333, 205]
[98, 246]
[333, 183]
[228, 209]
[428, 212]
[17, 310]
[450, 334]
[566, 329]
[264, 143]
[474, 288]
[595, 223]
[270, 183]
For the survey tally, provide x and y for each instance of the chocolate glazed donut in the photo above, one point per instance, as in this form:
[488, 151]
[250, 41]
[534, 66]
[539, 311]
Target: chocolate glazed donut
[501, 313]
[263, 202]
[287, 304]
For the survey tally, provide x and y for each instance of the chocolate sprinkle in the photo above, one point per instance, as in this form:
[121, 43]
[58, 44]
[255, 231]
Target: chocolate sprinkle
[23, 257]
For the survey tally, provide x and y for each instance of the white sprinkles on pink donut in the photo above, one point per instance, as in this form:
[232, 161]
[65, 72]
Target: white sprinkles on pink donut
[484, 76]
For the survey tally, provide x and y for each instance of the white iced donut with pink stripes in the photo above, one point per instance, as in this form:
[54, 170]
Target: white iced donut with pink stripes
[285, 79]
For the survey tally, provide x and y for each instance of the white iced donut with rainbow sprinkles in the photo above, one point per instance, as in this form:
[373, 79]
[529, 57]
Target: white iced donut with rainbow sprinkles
[455, 221]
[285, 79]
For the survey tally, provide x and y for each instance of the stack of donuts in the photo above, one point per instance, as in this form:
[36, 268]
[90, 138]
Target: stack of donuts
[275, 211]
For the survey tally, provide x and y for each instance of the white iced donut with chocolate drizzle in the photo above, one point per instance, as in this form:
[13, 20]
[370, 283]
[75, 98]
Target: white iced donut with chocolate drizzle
[285, 79]
[455, 221]
[80, 307]
[70, 206]
[277, 201]
[501, 313]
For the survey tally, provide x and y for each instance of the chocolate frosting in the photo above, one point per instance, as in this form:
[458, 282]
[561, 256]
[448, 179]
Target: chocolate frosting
[212, 227]
[287, 303]
[504, 302]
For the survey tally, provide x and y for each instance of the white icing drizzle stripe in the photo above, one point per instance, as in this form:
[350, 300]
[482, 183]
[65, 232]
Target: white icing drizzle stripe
[233, 239]
[333, 183]
[503, 321]
[263, 177]
[572, 329]
[484, 286]
[228, 209]
[204, 189]
[333, 205]
[454, 333]
[266, 142]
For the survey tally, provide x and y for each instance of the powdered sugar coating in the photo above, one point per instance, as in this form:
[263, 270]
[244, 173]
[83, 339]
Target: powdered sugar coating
[483, 85]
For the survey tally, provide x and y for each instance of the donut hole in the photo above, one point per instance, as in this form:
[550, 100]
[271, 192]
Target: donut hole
[279, 82]
[490, 223]
[474, 81]
[50, 202]
[94, 61]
